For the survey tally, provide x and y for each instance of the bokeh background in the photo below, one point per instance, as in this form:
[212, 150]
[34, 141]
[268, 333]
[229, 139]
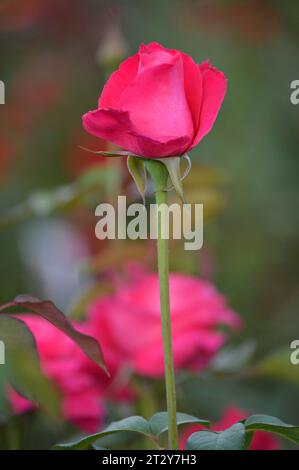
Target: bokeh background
[55, 58]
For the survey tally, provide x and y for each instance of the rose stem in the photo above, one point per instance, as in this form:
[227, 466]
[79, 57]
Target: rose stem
[159, 175]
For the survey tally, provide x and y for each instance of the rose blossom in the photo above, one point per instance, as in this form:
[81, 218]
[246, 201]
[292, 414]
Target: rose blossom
[261, 441]
[159, 103]
[128, 324]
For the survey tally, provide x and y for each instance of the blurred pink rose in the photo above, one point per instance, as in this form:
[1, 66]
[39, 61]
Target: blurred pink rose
[128, 324]
[81, 383]
[261, 441]
[158, 103]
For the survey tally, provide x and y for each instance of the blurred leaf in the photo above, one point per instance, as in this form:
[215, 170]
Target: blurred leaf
[48, 311]
[22, 369]
[231, 439]
[137, 170]
[102, 176]
[274, 425]
[96, 447]
[159, 422]
[61, 199]
[232, 359]
[204, 175]
[116, 256]
[278, 365]
[205, 185]
[132, 424]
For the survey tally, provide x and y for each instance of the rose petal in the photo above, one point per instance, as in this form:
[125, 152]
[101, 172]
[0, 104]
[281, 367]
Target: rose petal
[113, 125]
[154, 149]
[193, 88]
[157, 102]
[116, 126]
[214, 89]
[118, 82]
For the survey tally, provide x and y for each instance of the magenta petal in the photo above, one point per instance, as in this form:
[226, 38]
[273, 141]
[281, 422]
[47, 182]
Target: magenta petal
[193, 88]
[214, 89]
[112, 125]
[118, 82]
[157, 102]
[116, 126]
[154, 149]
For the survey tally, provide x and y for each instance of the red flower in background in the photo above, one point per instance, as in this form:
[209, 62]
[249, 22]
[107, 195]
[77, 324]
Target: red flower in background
[128, 324]
[159, 103]
[261, 441]
[81, 383]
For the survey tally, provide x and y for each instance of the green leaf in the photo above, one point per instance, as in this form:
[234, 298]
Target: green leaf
[137, 170]
[274, 425]
[52, 314]
[278, 365]
[132, 424]
[96, 447]
[232, 438]
[22, 369]
[159, 422]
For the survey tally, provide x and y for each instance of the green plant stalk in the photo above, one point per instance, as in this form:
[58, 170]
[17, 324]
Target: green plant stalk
[160, 176]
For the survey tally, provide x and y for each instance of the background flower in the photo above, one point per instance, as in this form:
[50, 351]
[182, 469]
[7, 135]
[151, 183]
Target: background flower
[128, 323]
[82, 384]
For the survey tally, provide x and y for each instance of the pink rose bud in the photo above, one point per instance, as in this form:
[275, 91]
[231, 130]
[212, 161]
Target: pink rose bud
[159, 103]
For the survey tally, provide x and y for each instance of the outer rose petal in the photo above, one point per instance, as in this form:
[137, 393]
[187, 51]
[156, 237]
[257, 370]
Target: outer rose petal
[155, 46]
[154, 149]
[113, 125]
[193, 88]
[116, 126]
[156, 99]
[214, 89]
[118, 82]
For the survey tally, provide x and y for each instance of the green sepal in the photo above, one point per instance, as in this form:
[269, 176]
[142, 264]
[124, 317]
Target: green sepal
[137, 170]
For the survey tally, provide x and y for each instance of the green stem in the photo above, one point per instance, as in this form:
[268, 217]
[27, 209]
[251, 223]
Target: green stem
[160, 176]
